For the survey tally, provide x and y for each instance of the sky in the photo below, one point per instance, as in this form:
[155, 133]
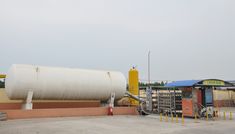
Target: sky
[188, 39]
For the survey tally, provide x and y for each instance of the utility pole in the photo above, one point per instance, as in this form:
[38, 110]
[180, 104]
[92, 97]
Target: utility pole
[149, 102]
[149, 68]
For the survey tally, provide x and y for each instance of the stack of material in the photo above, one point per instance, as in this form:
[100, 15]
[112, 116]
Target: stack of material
[3, 116]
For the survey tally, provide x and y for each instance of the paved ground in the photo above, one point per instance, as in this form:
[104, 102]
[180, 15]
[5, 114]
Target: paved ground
[115, 125]
[227, 109]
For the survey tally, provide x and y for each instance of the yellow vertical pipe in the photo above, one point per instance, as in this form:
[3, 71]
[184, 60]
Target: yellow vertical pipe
[134, 85]
[172, 118]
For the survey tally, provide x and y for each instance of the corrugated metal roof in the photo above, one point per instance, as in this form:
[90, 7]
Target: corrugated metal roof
[185, 83]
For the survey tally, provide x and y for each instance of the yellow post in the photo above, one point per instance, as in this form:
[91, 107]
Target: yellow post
[224, 116]
[172, 118]
[195, 119]
[218, 112]
[207, 117]
[182, 119]
[231, 116]
[160, 117]
[166, 118]
[176, 118]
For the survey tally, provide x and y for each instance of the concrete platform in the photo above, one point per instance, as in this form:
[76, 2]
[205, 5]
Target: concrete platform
[113, 125]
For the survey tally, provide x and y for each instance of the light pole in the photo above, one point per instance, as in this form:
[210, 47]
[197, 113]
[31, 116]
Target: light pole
[149, 67]
[149, 89]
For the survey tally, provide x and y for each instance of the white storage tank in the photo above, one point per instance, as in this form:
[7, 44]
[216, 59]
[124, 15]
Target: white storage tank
[63, 83]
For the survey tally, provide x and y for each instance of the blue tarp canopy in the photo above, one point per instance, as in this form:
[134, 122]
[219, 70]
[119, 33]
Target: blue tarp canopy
[184, 83]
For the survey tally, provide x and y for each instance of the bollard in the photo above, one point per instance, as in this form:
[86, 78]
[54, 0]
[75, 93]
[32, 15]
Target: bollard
[182, 119]
[172, 118]
[160, 117]
[231, 116]
[207, 117]
[176, 119]
[224, 116]
[195, 119]
[216, 114]
[166, 118]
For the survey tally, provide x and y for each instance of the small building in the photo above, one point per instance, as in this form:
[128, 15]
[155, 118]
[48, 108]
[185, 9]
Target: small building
[198, 95]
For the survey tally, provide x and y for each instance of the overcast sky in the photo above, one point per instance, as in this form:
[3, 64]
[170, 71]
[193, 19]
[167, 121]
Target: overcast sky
[188, 39]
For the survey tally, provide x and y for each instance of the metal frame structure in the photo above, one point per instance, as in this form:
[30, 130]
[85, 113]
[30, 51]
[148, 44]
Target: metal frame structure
[163, 100]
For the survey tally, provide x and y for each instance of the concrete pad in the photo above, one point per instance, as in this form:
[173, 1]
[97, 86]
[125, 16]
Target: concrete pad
[113, 125]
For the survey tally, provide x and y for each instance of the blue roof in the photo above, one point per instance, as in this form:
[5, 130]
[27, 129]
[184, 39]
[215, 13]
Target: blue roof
[185, 83]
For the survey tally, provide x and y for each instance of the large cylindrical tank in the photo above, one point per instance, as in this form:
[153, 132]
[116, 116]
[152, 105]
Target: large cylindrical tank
[63, 83]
